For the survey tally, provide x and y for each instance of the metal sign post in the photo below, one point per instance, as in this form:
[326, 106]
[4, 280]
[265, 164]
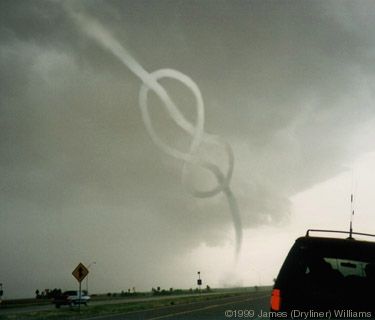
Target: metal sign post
[80, 273]
[79, 297]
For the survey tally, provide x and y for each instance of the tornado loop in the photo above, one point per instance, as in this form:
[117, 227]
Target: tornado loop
[150, 82]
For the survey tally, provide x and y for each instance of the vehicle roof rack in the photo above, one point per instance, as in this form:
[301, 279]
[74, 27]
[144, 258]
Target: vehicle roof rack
[338, 231]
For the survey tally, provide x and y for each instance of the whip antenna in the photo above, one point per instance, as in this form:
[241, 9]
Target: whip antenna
[351, 215]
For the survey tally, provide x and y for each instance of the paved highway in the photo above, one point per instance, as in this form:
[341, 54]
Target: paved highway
[247, 306]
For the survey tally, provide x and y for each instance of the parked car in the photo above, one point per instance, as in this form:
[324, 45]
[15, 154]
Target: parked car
[71, 298]
[325, 277]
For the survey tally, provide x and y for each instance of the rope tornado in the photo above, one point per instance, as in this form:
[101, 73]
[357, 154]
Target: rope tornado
[150, 82]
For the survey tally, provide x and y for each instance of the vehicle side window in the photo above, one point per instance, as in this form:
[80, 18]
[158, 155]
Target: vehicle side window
[370, 271]
[348, 267]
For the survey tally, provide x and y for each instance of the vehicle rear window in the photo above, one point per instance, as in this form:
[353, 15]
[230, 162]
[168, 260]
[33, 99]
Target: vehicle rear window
[71, 293]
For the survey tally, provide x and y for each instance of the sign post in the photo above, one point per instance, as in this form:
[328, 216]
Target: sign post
[80, 273]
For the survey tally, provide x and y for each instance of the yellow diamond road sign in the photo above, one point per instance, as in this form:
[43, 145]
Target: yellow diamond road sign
[80, 272]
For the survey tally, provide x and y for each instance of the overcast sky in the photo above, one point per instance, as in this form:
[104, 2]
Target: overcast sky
[289, 84]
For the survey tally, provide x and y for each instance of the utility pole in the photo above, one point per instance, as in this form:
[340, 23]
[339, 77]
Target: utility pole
[199, 280]
[1, 292]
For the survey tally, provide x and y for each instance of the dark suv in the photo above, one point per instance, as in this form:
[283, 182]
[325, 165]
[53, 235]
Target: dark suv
[326, 278]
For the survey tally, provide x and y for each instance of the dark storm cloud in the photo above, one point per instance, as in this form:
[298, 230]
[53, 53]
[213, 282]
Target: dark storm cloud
[287, 83]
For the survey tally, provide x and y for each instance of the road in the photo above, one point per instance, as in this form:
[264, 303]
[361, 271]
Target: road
[50, 306]
[246, 306]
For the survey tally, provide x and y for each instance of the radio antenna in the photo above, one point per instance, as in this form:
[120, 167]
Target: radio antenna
[351, 216]
[351, 207]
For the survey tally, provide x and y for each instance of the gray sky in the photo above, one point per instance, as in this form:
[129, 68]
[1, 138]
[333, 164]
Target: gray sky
[289, 84]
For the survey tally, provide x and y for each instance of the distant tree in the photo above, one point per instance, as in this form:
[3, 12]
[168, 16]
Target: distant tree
[37, 293]
[208, 288]
[54, 293]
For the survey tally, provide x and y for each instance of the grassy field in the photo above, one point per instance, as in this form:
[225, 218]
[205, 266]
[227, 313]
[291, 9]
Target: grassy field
[115, 308]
